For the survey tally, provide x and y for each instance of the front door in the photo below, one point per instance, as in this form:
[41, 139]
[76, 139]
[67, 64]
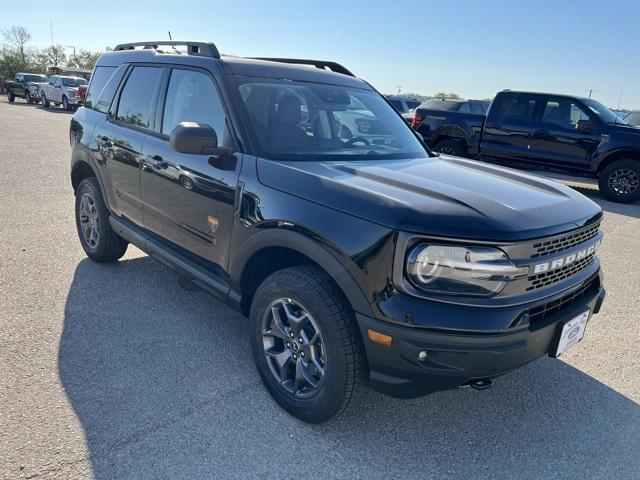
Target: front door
[508, 129]
[557, 140]
[189, 199]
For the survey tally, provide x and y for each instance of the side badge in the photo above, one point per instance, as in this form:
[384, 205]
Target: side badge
[213, 224]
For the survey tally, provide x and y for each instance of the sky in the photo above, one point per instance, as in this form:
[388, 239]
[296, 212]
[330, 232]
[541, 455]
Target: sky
[473, 48]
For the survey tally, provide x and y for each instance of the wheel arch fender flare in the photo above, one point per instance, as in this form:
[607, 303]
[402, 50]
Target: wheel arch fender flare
[311, 248]
[451, 130]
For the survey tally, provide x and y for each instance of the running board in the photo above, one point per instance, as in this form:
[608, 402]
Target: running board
[176, 262]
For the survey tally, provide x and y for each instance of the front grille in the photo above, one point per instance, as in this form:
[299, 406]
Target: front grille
[540, 313]
[549, 247]
[545, 279]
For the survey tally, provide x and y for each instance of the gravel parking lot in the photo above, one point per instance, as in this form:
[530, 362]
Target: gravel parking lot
[123, 371]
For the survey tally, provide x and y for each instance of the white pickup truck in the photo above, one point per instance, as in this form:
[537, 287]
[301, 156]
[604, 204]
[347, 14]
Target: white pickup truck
[62, 90]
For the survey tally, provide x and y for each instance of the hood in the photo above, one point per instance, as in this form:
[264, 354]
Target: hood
[440, 196]
[623, 128]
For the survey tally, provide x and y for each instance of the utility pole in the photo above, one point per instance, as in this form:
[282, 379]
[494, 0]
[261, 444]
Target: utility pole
[590, 92]
[399, 87]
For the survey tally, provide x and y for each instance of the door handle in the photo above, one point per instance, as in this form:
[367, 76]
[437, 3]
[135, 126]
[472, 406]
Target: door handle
[540, 133]
[495, 125]
[156, 162]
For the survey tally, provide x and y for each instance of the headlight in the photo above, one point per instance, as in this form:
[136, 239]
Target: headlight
[452, 270]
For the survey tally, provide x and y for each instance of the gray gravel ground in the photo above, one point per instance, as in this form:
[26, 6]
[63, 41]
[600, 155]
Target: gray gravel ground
[118, 371]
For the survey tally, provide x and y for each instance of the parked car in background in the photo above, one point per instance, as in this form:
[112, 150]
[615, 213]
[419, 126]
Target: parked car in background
[572, 135]
[82, 93]
[403, 104]
[25, 85]
[633, 118]
[62, 91]
[442, 109]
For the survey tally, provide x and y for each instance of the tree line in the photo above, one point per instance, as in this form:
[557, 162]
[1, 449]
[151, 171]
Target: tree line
[17, 55]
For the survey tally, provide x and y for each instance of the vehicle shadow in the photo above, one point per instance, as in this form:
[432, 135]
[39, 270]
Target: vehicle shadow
[52, 109]
[162, 381]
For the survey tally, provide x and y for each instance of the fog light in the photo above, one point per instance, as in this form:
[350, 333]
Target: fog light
[422, 356]
[380, 338]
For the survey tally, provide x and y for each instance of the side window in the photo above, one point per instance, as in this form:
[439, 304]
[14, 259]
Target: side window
[137, 96]
[99, 79]
[465, 108]
[563, 113]
[192, 97]
[397, 104]
[477, 108]
[515, 108]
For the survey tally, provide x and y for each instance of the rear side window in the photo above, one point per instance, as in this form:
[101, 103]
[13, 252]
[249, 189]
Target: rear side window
[515, 108]
[99, 79]
[136, 99]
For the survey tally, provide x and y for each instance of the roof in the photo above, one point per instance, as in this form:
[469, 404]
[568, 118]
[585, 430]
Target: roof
[290, 69]
[565, 95]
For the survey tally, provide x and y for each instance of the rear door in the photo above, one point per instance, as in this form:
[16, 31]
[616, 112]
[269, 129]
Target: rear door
[557, 141]
[120, 138]
[508, 128]
[189, 199]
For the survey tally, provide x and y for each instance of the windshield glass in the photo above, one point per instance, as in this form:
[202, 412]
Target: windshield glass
[73, 82]
[305, 121]
[35, 78]
[605, 114]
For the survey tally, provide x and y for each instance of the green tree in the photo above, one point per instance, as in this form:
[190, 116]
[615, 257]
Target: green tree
[446, 95]
[83, 59]
[52, 56]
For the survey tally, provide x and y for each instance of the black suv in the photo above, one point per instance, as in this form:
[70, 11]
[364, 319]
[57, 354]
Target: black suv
[299, 196]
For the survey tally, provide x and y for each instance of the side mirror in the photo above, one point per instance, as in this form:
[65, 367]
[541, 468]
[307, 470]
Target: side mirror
[586, 126]
[196, 138]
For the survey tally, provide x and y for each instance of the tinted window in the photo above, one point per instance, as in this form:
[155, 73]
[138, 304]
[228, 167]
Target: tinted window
[437, 104]
[35, 78]
[397, 104]
[465, 108]
[411, 104]
[633, 119]
[73, 82]
[136, 99]
[192, 97]
[310, 121]
[478, 108]
[98, 80]
[563, 113]
[515, 108]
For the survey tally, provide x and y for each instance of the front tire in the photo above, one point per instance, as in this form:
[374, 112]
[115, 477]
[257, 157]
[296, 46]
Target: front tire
[45, 101]
[97, 238]
[11, 97]
[27, 98]
[620, 181]
[65, 104]
[305, 344]
[452, 146]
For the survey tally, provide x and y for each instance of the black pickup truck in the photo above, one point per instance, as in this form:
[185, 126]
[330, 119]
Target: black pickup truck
[576, 136]
[25, 85]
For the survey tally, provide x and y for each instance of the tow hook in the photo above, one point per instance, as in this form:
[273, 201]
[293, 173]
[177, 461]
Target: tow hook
[481, 384]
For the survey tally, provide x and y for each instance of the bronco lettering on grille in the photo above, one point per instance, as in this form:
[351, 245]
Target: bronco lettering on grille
[559, 262]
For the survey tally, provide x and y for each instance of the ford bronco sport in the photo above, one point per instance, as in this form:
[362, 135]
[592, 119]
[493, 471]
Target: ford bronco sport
[360, 257]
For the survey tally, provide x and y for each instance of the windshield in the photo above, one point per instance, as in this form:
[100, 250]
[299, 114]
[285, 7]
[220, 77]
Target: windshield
[306, 121]
[35, 78]
[73, 82]
[605, 114]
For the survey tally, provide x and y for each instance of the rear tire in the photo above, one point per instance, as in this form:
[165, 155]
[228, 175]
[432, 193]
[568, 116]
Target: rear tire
[97, 238]
[452, 146]
[332, 371]
[620, 181]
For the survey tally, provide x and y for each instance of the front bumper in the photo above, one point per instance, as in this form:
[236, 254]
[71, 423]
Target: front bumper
[461, 358]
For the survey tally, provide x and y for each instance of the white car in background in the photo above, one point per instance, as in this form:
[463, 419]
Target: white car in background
[62, 90]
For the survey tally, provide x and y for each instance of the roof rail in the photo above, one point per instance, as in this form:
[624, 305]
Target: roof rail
[201, 49]
[321, 64]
